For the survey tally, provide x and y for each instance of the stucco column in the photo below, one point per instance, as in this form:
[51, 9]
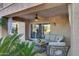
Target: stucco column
[74, 23]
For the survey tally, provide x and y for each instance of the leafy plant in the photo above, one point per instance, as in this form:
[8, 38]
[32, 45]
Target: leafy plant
[8, 44]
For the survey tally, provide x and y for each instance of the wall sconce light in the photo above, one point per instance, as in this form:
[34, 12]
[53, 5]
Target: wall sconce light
[54, 23]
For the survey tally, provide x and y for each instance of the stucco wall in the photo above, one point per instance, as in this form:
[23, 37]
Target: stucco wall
[62, 26]
[74, 18]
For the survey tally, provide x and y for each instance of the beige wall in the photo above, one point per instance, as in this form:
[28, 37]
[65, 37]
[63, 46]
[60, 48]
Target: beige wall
[21, 30]
[62, 26]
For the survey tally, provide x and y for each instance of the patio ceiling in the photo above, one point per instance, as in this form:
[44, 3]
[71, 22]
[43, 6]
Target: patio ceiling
[60, 10]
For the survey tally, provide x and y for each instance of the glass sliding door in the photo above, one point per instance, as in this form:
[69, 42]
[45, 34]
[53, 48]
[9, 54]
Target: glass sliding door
[40, 31]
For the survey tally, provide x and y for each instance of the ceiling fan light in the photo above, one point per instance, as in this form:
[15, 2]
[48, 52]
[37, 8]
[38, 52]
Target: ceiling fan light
[36, 18]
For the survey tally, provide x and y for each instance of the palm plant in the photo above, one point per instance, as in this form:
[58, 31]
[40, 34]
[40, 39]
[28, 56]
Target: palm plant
[24, 49]
[10, 45]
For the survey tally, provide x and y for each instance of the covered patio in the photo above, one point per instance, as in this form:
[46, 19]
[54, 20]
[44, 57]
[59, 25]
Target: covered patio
[47, 25]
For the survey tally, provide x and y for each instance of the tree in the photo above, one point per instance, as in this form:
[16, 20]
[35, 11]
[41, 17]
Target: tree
[3, 22]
